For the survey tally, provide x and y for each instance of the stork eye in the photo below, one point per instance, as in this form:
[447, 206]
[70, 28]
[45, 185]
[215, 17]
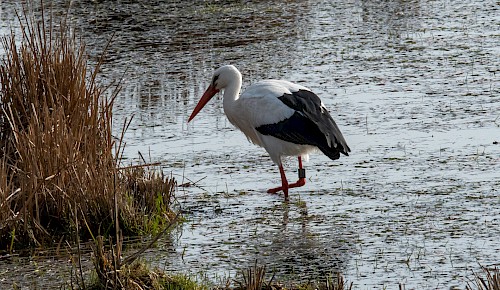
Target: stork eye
[215, 80]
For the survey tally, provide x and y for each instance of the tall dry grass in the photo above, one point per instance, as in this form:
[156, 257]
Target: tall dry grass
[490, 282]
[58, 166]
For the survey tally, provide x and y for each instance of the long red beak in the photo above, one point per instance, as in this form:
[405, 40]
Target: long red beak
[209, 93]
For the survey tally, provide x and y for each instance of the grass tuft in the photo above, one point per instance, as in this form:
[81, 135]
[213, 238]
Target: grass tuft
[113, 272]
[253, 278]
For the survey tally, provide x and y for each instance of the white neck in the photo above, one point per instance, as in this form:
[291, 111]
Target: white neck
[231, 94]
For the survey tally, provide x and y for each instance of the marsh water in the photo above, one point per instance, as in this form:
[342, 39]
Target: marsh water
[413, 85]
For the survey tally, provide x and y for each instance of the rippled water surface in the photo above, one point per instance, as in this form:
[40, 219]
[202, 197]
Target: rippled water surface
[413, 85]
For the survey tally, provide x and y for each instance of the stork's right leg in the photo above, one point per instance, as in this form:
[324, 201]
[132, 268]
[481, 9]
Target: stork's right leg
[302, 176]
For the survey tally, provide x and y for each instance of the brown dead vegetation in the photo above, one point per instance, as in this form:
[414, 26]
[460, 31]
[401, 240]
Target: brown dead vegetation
[59, 163]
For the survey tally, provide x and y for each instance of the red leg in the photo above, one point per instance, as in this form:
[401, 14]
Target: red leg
[302, 176]
[284, 184]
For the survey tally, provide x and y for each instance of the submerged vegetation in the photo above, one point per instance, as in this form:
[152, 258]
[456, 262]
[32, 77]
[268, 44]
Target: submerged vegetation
[60, 164]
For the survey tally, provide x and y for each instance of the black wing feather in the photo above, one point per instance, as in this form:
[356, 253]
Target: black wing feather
[309, 125]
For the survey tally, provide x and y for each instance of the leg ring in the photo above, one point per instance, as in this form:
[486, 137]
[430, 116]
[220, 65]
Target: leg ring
[302, 173]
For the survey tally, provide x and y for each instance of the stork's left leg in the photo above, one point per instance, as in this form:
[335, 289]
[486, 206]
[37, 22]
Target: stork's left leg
[284, 184]
[302, 176]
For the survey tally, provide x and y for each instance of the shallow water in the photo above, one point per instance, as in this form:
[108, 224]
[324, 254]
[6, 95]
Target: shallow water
[414, 87]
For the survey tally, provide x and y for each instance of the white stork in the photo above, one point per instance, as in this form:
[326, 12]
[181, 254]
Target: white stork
[285, 118]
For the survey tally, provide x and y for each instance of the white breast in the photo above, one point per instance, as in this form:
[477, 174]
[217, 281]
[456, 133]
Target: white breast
[259, 105]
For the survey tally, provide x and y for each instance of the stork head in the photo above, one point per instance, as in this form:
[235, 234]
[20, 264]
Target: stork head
[221, 78]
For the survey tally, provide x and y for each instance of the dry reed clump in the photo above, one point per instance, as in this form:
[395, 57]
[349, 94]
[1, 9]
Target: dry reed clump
[492, 281]
[57, 159]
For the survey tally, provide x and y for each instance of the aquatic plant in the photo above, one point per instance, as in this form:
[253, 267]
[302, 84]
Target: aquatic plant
[59, 163]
